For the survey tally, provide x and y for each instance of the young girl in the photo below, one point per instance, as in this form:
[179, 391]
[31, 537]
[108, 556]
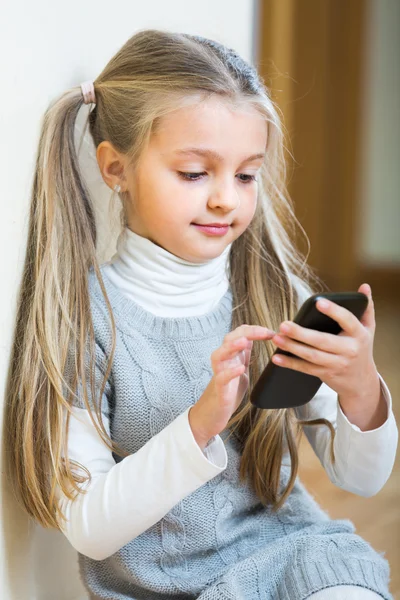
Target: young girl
[132, 427]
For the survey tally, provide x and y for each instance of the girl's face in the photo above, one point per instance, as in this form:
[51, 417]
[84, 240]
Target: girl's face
[220, 189]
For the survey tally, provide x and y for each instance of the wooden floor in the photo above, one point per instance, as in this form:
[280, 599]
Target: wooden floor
[377, 519]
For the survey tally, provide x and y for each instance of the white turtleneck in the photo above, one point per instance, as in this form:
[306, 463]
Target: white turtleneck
[163, 283]
[169, 286]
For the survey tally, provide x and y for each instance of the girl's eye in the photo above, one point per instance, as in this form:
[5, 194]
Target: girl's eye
[197, 176]
[188, 176]
[250, 178]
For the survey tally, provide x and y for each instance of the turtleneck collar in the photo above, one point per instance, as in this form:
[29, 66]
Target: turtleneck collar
[163, 283]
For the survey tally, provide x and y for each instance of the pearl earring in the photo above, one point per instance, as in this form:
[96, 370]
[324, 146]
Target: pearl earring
[117, 188]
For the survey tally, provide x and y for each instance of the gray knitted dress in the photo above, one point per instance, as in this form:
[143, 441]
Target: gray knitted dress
[218, 542]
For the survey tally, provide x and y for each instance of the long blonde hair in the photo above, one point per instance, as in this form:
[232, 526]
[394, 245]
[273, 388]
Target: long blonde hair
[153, 73]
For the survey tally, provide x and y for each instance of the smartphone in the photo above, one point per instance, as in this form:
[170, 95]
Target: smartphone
[282, 387]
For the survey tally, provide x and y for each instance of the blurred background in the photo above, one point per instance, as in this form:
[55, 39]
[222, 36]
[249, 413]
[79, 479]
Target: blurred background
[332, 66]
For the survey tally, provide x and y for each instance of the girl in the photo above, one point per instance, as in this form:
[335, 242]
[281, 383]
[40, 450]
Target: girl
[129, 405]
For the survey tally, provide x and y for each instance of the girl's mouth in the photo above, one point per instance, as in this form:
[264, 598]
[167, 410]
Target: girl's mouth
[212, 230]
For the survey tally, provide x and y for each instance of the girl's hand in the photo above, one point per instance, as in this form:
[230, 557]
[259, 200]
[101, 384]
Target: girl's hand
[344, 361]
[230, 364]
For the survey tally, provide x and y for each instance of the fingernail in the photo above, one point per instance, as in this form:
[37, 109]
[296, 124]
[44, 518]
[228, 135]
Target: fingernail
[323, 303]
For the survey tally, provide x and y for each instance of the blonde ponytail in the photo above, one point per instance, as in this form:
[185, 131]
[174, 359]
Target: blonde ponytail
[53, 317]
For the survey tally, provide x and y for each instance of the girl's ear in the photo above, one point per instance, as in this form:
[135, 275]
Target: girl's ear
[111, 164]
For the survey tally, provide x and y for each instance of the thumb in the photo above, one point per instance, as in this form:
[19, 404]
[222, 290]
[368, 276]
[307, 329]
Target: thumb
[368, 318]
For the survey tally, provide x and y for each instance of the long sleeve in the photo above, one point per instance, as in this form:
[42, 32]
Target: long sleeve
[364, 459]
[126, 498]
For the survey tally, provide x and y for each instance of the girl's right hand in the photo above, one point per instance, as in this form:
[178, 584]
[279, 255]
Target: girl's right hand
[230, 364]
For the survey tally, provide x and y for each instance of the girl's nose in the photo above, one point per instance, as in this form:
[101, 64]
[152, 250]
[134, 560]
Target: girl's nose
[226, 198]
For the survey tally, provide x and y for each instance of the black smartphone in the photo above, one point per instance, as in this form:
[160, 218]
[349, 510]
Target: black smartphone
[282, 387]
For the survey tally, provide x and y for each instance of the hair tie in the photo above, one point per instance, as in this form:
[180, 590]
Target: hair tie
[88, 92]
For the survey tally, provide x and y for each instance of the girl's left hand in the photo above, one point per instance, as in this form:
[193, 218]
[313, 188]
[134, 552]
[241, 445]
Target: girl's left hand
[344, 361]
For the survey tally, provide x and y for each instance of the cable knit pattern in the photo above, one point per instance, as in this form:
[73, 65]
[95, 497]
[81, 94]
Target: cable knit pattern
[218, 542]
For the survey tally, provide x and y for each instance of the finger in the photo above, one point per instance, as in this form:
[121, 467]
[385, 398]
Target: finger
[309, 353]
[368, 318]
[232, 362]
[250, 331]
[228, 353]
[232, 347]
[347, 321]
[247, 354]
[226, 375]
[297, 364]
[328, 342]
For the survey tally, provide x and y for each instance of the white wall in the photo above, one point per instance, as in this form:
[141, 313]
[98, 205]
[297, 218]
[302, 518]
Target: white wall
[380, 169]
[46, 48]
